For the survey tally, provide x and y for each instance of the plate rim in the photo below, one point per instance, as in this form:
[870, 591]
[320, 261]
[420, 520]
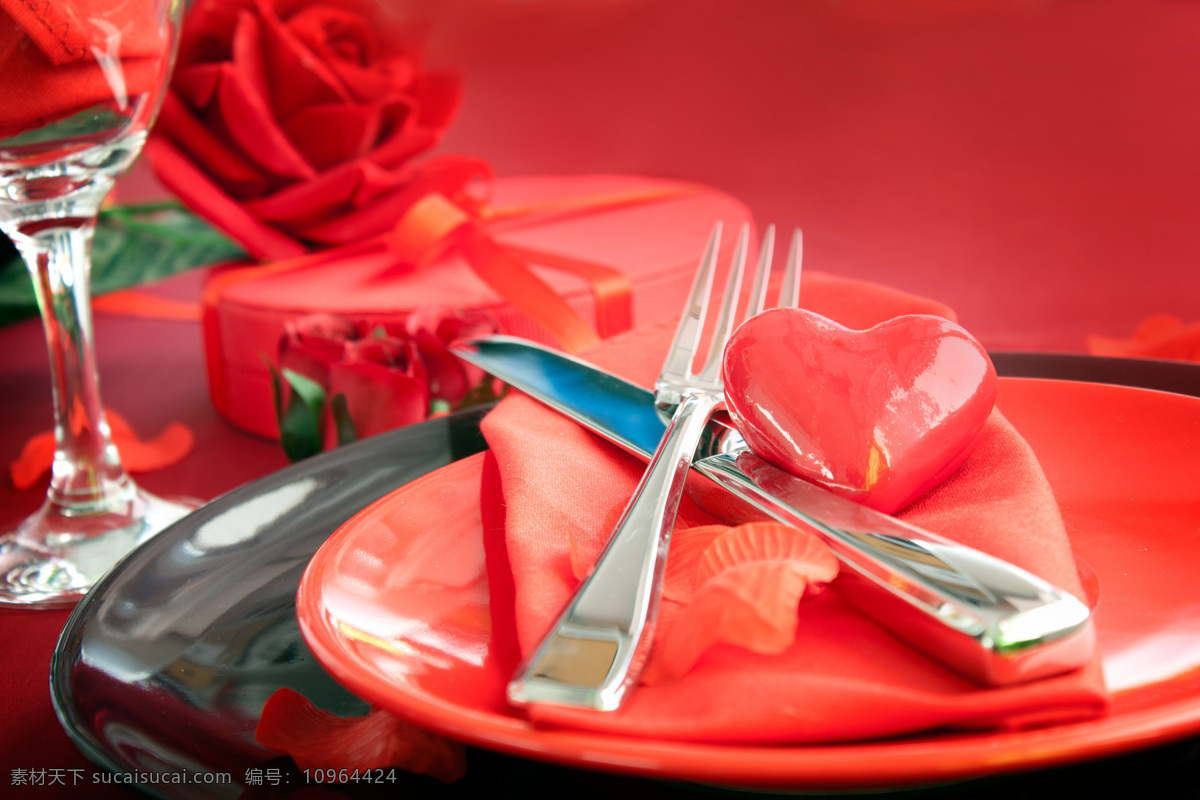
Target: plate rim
[913, 758]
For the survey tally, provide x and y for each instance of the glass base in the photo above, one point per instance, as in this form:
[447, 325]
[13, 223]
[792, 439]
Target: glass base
[54, 558]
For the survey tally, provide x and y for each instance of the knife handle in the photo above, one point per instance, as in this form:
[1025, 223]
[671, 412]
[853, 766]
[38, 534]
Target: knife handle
[988, 619]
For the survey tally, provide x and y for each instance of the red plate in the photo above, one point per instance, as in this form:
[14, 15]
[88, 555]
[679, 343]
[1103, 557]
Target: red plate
[395, 606]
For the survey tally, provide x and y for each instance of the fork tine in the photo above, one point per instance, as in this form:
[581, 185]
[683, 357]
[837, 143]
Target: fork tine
[758, 295]
[789, 292]
[728, 313]
[691, 324]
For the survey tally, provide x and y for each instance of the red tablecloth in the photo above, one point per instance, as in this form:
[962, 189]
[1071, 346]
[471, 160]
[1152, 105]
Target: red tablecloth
[1035, 165]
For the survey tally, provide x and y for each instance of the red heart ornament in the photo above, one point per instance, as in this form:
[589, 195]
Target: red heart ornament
[879, 416]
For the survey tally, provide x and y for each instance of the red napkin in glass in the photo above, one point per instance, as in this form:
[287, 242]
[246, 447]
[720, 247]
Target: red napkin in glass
[62, 56]
[844, 678]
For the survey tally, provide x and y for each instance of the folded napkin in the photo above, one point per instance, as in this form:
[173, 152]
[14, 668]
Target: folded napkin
[59, 57]
[843, 678]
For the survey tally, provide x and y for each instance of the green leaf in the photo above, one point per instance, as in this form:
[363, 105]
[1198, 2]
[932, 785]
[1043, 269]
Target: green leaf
[133, 245]
[302, 422]
[341, 419]
[487, 390]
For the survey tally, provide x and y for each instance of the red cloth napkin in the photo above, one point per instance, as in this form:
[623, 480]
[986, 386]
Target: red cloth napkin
[62, 56]
[844, 678]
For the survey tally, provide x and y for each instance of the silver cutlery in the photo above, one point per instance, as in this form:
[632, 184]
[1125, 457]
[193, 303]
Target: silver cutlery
[595, 650]
[979, 615]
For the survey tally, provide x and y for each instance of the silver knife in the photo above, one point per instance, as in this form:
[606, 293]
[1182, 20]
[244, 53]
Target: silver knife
[979, 615]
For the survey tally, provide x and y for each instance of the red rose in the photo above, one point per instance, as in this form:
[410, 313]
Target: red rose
[388, 375]
[433, 328]
[295, 119]
[311, 344]
[384, 383]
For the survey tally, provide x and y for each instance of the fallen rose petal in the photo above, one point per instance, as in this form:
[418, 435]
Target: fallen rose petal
[36, 457]
[768, 541]
[683, 561]
[169, 447]
[1159, 336]
[751, 605]
[317, 739]
[748, 585]
[138, 455]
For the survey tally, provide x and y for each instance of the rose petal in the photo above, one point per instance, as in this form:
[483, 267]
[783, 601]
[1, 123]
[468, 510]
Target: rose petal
[748, 584]
[329, 134]
[317, 739]
[143, 455]
[36, 457]
[207, 32]
[170, 447]
[383, 78]
[433, 328]
[380, 398]
[183, 179]
[246, 114]
[768, 541]
[401, 136]
[311, 344]
[211, 154]
[683, 560]
[448, 175]
[1159, 336]
[298, 77]
[333, 193]
[197, 86]
[346, 43]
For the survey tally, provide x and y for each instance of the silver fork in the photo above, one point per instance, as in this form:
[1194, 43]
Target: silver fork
[595, 651]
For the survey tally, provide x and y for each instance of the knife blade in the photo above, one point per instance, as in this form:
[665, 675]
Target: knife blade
[977, 614]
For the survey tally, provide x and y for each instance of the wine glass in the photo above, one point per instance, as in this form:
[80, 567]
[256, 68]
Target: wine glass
[83, 80]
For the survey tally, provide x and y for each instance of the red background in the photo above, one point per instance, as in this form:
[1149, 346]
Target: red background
[1034, 164]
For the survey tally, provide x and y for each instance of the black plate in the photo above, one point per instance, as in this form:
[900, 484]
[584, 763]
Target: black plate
[165, 665]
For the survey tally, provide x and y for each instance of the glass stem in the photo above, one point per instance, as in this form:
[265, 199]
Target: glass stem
[87, 476]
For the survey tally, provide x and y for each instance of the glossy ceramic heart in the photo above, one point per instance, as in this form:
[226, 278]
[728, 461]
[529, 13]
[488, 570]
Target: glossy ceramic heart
[880, 416]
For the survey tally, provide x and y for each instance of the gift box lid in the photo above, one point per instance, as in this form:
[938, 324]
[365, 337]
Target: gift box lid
[651, 231]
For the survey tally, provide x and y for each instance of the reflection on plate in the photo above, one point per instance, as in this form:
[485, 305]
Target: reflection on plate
[395, 606]
[165, 665]
[167, 662]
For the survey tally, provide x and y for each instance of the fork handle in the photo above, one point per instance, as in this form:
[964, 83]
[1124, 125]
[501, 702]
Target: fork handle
[596, 649]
